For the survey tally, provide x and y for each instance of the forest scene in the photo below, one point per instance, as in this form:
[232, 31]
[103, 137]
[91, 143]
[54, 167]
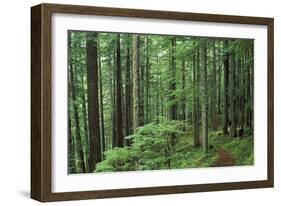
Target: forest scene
[151, 102]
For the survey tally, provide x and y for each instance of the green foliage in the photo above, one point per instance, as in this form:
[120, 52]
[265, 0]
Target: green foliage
[117, 159]
[242, 150]
[153, 149]
[161, 143]
[153, 143]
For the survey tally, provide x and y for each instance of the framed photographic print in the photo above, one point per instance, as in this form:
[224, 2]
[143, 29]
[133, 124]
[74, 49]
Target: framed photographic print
[130, 102]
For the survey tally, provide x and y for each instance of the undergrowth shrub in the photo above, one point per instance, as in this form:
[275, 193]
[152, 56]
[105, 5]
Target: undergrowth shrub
[153, 146]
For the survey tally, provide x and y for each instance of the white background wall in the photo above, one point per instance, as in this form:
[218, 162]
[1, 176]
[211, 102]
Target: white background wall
[15, 102]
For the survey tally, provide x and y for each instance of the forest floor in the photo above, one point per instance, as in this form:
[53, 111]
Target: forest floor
[146, 154]
[223, 151]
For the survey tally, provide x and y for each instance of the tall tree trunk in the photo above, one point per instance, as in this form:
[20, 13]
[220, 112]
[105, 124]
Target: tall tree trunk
[71, 150]
[76, 123]
[247, 90]
[147, 85]
[141, 79]
[161, 95]
[213, 88]
[251, 70]
[93, 101]
[198, 140]
[172, 87]
[219, 77]
[204, 91]
[101, 103]
[253, 88]
[113, 101]
[71, 141]
[137, 122]
[128, 93]
[226, 89]
[157, 88]
[119, 135]
[172, 83]
[183, 108]
[85, 121]
[242, 96]
[195, 124]
[233, 131]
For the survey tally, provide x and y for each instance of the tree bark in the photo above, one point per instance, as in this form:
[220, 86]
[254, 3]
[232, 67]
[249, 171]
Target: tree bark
[213, 88]
[226, 82]
[233, 131]
[198, 139]
[204, 91]
[147, 86]
[113, 100]
[101, 103]
[253, 88]
[242, 98]
[172, 84]
[157, 112]
[93, 101]
[76, 123]
[136, 83]
[183, 107]
[71, 167]
[128, 92]
[219, 77]
[85, 120]
[119, 135]
[142, 81]
[195, 116]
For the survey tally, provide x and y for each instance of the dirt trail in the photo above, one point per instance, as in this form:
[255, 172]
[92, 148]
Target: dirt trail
[224, 158]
